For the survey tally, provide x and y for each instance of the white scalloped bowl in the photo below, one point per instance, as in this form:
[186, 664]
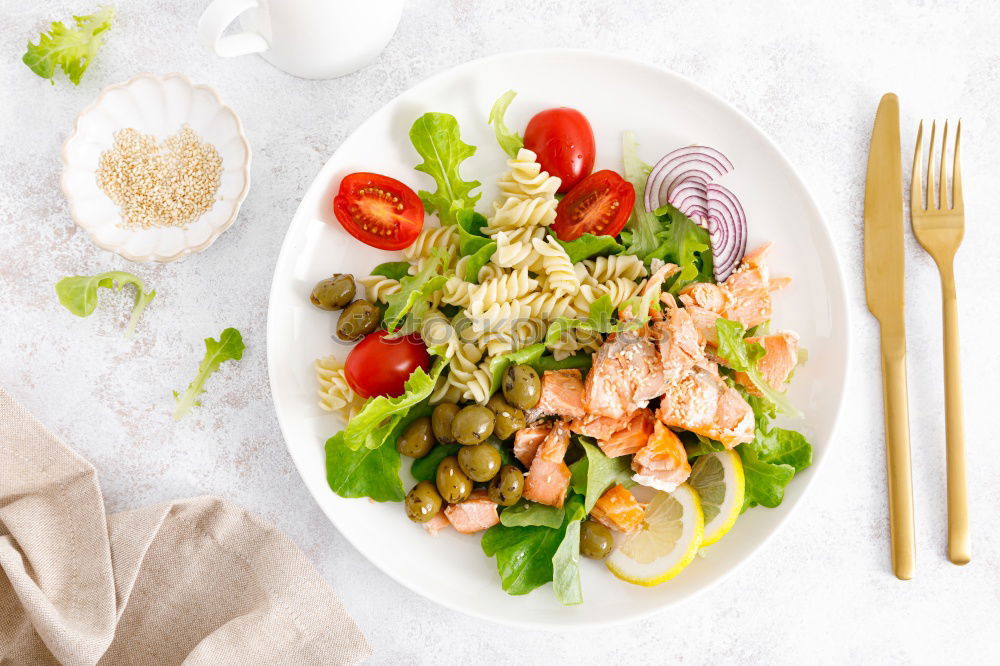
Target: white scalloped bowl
[160, 106]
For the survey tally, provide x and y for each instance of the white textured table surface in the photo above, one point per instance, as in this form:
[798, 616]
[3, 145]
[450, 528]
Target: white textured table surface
[810, 74]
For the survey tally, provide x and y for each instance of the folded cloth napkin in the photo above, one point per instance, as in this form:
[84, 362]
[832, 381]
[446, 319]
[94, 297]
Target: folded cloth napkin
[198, 581]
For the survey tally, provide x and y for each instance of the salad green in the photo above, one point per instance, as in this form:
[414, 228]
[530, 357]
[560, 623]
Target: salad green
[511, 142]
[229, 347]
[437, 139]
[70, 48]
[78, 294]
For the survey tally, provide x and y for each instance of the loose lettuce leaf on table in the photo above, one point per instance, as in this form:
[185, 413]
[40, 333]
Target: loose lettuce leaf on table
[510, 142]
[71, 48]
[78, 294]
[363, 472]
[589, 245]
[229, 347]
[436, 137]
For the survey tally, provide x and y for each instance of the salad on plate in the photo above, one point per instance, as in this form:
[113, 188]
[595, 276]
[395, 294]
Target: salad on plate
[589, 368]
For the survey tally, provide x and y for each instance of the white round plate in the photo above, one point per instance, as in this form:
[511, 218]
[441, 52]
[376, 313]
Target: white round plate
[159, 106]
[665, 111]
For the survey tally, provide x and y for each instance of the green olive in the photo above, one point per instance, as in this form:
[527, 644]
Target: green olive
[472, 425]
[506, 487]
[422, 502]
[417, 440]
[333, 293]
[596, 540]
[452, 482]
[508, 419]
[480, 462]
[357, 320]
[441, 420]
[521, 386]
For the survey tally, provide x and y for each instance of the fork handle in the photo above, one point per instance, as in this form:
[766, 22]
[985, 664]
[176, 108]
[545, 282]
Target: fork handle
[897, 453]
[959, 547]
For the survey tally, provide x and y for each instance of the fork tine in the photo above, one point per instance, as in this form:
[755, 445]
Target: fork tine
[930, 167]
[916, 182]
[943, 174]
[956, 171]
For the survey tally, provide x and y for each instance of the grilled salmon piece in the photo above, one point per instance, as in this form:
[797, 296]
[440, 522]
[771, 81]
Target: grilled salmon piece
[680, 345]
[662, 463]
[744, 297]
[618, 510]
[625, 375]
[781, 355]
[562, 395]
[704, 404]
[526, 441]
[548, 476]
[631, 438]
[599, 427]
[437, 523]
[475, 514]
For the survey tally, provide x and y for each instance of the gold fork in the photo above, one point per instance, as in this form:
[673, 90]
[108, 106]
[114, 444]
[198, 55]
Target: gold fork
[939, 227]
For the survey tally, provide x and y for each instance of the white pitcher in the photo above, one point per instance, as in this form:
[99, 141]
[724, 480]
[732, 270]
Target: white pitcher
[312, 39]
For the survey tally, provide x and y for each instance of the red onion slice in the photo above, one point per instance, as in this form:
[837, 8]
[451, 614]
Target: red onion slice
[707, 161]
[727, 229]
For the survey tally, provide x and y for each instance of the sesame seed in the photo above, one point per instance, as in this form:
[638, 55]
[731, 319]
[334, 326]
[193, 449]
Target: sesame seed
[160, 185]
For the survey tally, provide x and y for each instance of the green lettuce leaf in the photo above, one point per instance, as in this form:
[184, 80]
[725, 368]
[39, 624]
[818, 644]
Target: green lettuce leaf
[642, 226]
[784, 447]
[700, 446]
[70, 48]
[579, 361]
[414, 293]
[78, 294]
[524, 555]
[566, 560]
[765, 481]
[510, 142]
[372, 426]
[593, 474]
[742, 356]
[525, 513]
[599, 321]
[363, 472]
[437, 139]
[685, 244]
[535, 356]
[229, 347]
[589, 245]
[425, 469]
[395, 270]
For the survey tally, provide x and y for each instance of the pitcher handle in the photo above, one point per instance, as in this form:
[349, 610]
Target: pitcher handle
[214, 21]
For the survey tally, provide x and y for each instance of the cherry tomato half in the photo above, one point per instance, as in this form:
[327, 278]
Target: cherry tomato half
[377, 366]
[599, 205]
[378, 210]
[564, 143]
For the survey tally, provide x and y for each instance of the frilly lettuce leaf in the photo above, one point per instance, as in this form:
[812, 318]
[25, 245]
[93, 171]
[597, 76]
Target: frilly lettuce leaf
[510, 142]
[437, 138]
[71, 48]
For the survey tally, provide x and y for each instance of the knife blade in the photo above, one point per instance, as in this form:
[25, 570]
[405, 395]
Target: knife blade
[884, 272]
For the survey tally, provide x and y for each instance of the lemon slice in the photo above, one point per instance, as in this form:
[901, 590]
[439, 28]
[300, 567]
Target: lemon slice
[718, 479]
[666, 542]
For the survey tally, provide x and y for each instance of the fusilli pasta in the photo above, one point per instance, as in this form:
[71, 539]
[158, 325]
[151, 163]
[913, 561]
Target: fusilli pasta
[378, 288]
[445, 238]
[526, 178]
[335, 394]
[559, 274]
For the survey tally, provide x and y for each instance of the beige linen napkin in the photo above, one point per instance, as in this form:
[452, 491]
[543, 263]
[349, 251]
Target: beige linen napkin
[198, 581]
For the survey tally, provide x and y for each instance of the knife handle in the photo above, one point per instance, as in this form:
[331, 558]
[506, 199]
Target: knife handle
[897, 450]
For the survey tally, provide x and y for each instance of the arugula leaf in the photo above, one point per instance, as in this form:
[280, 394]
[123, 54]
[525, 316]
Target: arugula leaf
[370, 473]
[742, 356]
[416, 289]
[566, 560]
[642, 225]
[70, 48]
[395, 270]
[377, 420]
[593, 474]
[510, 142]
[589, 245]
[685, 244]
[526, 513]
[425, 469]
[229, 347]
[437, 139]
[78, 294]
[524, 555]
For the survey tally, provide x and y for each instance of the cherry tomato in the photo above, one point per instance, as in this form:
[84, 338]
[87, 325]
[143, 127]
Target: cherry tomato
[377, 366]
[564, 143]
[378, 210]
[599, 205]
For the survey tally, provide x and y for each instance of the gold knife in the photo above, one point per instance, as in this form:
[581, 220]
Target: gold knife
[884, 288]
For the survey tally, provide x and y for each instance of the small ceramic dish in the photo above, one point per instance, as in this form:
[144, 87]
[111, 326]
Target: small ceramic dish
[159, 106]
